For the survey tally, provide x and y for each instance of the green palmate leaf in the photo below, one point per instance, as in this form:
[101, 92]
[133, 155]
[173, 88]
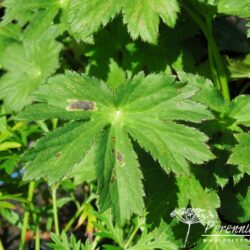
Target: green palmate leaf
[144, 108]
[27, 67]
[240, 155]
[141, 17]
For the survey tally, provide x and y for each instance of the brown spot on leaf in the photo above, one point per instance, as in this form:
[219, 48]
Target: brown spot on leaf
[80, 105]
[119, 157]
[113, 176]
[179, 90]
[58, 155]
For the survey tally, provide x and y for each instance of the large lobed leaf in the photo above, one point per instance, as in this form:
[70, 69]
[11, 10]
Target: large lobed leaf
[145, 109]
[141, 16]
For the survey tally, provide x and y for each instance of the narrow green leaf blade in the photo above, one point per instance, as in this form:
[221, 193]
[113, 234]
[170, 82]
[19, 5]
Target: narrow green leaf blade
[119, 175]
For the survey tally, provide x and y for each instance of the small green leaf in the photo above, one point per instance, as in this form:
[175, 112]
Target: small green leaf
[239, 110]
[27, 67]
[116, 75]
[240, 154]
[5, 204]
[9, 145]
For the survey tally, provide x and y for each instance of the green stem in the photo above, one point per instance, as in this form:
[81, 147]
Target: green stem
[246, 86]
[37, 242]
[35, 218]
[187, 235]
[94, 244]
[221, 70]
[26, 215]
[217, 66]
[137, 227]
[78, 212]
[54, 123]
[1, 245]
[43, 126]
[75, 216]
[213, 68]
[55, 213]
